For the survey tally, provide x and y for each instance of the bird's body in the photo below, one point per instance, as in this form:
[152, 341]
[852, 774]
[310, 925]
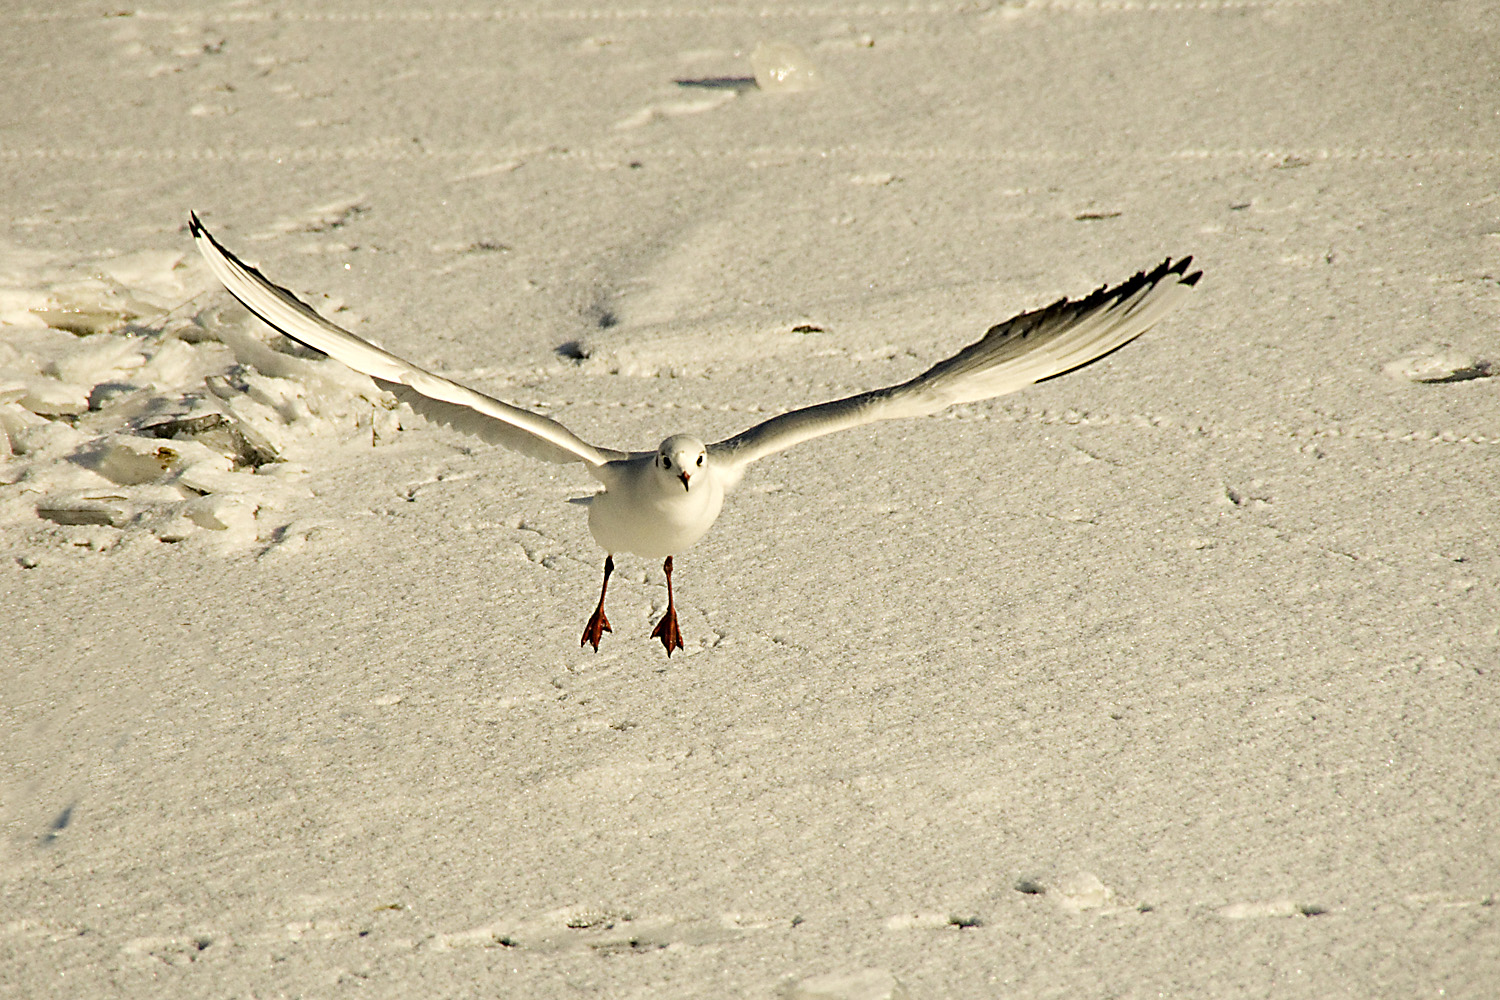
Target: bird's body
[676, 513]
[657, 504]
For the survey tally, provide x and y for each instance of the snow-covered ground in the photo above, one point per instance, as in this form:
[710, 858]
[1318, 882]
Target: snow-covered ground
[1173, 677]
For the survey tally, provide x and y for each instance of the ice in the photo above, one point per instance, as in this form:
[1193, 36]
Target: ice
[127, 405]
[130, 461]
[1082, 891]
[864, 984]
[50, 397]
[784, 67]
[1439, 363]
[1259, 909]
[15, 420]
[149, 273]
[97, 358]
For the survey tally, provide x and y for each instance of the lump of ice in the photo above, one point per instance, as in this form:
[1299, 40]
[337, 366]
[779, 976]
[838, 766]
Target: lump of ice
[1439, 363]
[97, 358]
[1082, 891]
[784, 67]
[50, 397]
[863, 984]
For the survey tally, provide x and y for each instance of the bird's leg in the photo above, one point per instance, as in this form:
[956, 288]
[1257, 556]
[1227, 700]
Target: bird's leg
[666, 629]
[598, 624]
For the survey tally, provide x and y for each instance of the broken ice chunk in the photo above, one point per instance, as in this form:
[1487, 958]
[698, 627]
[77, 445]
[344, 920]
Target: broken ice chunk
[130, 461]
[784, 67]
[1439, 363]
[96, 359]
[49, 397]
[1082, 891]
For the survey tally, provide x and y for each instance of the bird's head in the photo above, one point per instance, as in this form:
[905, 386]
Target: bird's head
[681, 457]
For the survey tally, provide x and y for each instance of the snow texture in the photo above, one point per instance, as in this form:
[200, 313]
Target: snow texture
[1176, 677]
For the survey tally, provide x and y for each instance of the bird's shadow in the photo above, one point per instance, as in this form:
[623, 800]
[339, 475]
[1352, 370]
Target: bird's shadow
[738, 84]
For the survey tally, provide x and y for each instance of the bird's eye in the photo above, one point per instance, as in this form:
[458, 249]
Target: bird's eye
[666, 463]
[700, 459]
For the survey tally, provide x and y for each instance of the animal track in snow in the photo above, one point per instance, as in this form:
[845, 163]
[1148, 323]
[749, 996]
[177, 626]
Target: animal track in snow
[321, 219]
[170, 950]
[600, 929]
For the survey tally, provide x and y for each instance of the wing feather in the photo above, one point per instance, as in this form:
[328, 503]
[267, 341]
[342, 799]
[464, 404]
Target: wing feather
[431, 395]
[1021, 351]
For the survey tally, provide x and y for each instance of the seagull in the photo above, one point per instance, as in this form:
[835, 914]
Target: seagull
[656, 504]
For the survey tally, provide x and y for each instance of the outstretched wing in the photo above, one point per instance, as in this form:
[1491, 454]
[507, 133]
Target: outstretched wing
[433, 396]
[1026, 349]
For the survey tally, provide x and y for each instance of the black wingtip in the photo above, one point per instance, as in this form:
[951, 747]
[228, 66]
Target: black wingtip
[1179, 268]
[195, 226]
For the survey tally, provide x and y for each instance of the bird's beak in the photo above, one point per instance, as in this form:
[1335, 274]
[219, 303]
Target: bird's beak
[684, 477]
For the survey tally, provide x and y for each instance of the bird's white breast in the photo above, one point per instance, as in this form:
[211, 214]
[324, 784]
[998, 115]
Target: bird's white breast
[653, 516]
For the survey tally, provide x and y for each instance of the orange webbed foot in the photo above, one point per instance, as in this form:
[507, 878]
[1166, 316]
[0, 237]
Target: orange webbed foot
[667, 631]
